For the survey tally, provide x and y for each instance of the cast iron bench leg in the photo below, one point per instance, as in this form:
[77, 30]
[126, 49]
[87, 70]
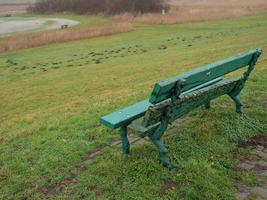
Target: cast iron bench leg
[155, 138]
[238, 103]
[163, 153]
[124, 140]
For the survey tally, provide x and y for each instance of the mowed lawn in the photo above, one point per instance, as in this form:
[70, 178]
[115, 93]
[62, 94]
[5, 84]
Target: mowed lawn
[51, 99]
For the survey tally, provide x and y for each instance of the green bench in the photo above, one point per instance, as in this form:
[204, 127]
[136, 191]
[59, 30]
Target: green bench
[174, 97]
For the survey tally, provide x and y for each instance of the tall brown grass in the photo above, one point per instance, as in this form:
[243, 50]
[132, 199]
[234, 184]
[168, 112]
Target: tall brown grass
[182, 16]
[229, 3]
[29, 40]
[183, 11]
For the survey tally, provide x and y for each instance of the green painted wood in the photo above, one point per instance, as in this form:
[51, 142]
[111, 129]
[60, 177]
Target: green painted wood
[190, 101]
[179, 95]
[163, 89]
[187, 102]
[195, 80]
[203, 85]
[125, 116]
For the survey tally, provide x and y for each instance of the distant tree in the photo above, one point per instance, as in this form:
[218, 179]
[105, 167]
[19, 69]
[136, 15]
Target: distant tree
[43, 6]
[108, 7]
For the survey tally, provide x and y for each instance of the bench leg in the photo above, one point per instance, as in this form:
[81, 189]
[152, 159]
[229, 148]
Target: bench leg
[207, 105]
[163, 153]
[237, 103]
[155, 138]
[124, 140]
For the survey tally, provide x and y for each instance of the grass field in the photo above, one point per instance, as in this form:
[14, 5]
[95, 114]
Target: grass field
[51, 99]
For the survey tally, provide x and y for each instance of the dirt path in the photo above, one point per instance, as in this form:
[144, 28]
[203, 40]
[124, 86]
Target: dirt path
[13, 24]
[255, 161]
[90, 157]
[52, 190]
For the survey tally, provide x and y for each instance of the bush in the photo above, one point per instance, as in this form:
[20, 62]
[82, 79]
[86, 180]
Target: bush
[108, 7]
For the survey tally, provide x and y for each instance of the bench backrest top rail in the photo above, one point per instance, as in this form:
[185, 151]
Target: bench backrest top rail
[163, 89]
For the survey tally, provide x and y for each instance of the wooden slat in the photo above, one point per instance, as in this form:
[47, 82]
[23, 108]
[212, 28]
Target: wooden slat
[198, 76]
[190, 101]
[203, 85]
[126, 115]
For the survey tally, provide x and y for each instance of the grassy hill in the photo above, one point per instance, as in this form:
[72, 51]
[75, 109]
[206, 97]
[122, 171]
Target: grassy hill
[52, 97]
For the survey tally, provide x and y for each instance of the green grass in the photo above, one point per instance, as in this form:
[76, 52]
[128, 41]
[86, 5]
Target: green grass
[52, 98]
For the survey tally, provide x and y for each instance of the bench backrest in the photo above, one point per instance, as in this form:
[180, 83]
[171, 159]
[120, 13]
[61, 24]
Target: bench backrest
[164, 89]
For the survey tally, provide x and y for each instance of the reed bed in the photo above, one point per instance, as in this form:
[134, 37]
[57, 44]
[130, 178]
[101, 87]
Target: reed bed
[29, 40]
[183, 11]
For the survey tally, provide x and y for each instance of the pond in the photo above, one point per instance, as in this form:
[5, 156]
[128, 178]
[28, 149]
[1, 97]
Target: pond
[10, 25]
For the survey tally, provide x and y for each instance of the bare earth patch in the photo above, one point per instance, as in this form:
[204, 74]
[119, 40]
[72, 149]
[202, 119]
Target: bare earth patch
[168, 185]
[255, 161]
[90, 157]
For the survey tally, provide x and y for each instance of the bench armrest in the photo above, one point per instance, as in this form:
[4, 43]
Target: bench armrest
[125, 116]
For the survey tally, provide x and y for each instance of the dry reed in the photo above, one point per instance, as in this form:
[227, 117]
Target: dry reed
[183, 11]
[29, 40]
[183, 16]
